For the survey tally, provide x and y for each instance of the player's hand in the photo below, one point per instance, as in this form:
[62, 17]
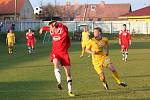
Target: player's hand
[130, 43]
[119, 42]
[106, 54]
[94, 52]
[41, 30]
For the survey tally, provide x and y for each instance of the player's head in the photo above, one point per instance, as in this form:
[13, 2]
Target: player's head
[29, 30]
[85, 29]
[98, 33]
[124, 26]
[53, 24]
[10, 31]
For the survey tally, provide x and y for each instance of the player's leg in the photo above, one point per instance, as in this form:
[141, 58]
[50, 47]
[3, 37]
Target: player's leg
[99, 70]
[69, 80]
[103, 79]
[116, 75]
[123, 53]
[83, 49]
[57, 72]
[9, 48]
[29, 50]
[32, 47]
[126, 54]
[29, 47]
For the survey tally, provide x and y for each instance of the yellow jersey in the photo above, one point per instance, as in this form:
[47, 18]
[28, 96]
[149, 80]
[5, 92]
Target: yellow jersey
[10, 37]
[99, 60]
[85, 36]
[97, 45]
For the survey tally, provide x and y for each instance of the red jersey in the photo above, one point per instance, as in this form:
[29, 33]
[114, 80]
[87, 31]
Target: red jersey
[61, 40]
[30, 36]
[124, 37]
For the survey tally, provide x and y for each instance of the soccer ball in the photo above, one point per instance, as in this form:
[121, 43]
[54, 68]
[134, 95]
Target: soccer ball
[37, 11]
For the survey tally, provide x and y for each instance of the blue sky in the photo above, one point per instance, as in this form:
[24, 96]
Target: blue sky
[135, 4]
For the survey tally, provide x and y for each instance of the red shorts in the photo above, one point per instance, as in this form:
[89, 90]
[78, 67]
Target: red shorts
[30, 43]
[124, 46]
[62, 57]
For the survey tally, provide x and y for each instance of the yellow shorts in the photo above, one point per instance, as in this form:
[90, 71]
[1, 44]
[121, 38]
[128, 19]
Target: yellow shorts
[101, 63]
[84, 44]
[10, 44]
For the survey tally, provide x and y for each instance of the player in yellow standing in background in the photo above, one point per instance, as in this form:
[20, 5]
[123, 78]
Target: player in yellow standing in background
[10, 41]
[99, 48]
[84, 40]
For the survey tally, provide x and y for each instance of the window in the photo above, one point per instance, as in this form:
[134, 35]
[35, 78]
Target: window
[93, 7]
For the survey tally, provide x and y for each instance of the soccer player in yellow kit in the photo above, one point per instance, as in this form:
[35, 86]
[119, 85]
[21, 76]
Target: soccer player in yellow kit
[85, 39]
[99, 48]
[10, 41]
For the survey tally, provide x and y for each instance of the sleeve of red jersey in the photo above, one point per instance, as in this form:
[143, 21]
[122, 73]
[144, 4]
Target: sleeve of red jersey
[129, 36]
[64, 31]
[26, 35]
[46, 28]
[120, 35]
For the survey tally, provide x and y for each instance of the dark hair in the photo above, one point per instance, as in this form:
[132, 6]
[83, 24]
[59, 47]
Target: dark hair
[98, 28]
[124, 25]
[51, 22]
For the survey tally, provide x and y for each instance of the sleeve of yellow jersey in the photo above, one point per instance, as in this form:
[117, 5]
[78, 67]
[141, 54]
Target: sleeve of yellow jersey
[105, 39]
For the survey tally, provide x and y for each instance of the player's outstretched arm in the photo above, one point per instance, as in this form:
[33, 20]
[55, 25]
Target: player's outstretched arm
[41, 31]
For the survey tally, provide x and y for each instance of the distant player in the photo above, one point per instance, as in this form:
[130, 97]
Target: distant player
[59, 54]
[30, 41]
[124, 41]
[85, 39]
[10, 41]
[99, 48]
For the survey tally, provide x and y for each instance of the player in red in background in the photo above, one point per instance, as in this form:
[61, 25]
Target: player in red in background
[30, 41]
[59, 54]
[124, 41]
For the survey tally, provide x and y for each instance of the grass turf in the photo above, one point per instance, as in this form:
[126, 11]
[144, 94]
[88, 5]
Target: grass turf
[30, 77]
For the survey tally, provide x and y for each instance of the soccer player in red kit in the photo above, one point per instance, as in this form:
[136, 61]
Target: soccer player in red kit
[30, 41]
[124, 41]
[59, 54]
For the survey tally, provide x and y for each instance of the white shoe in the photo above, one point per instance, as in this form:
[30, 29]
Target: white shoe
[89, 55]
[81, 56]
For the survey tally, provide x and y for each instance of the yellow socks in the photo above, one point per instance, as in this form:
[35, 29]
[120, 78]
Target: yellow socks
[116, 77]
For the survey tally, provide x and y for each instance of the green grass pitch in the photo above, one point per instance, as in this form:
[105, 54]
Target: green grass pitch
[31, 77]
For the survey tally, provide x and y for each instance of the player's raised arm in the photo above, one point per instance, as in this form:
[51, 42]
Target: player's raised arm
[41, 30]
[120, 37]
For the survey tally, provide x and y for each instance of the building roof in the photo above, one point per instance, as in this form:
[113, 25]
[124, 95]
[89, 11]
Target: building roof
[140, 12]
[8, 6]
[101, 10]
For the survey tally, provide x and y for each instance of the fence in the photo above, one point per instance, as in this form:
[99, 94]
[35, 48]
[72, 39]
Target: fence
[135, 27]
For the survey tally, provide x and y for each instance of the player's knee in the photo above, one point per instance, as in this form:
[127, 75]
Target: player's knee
[111, 67]
[55, 62]
[102, 77]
